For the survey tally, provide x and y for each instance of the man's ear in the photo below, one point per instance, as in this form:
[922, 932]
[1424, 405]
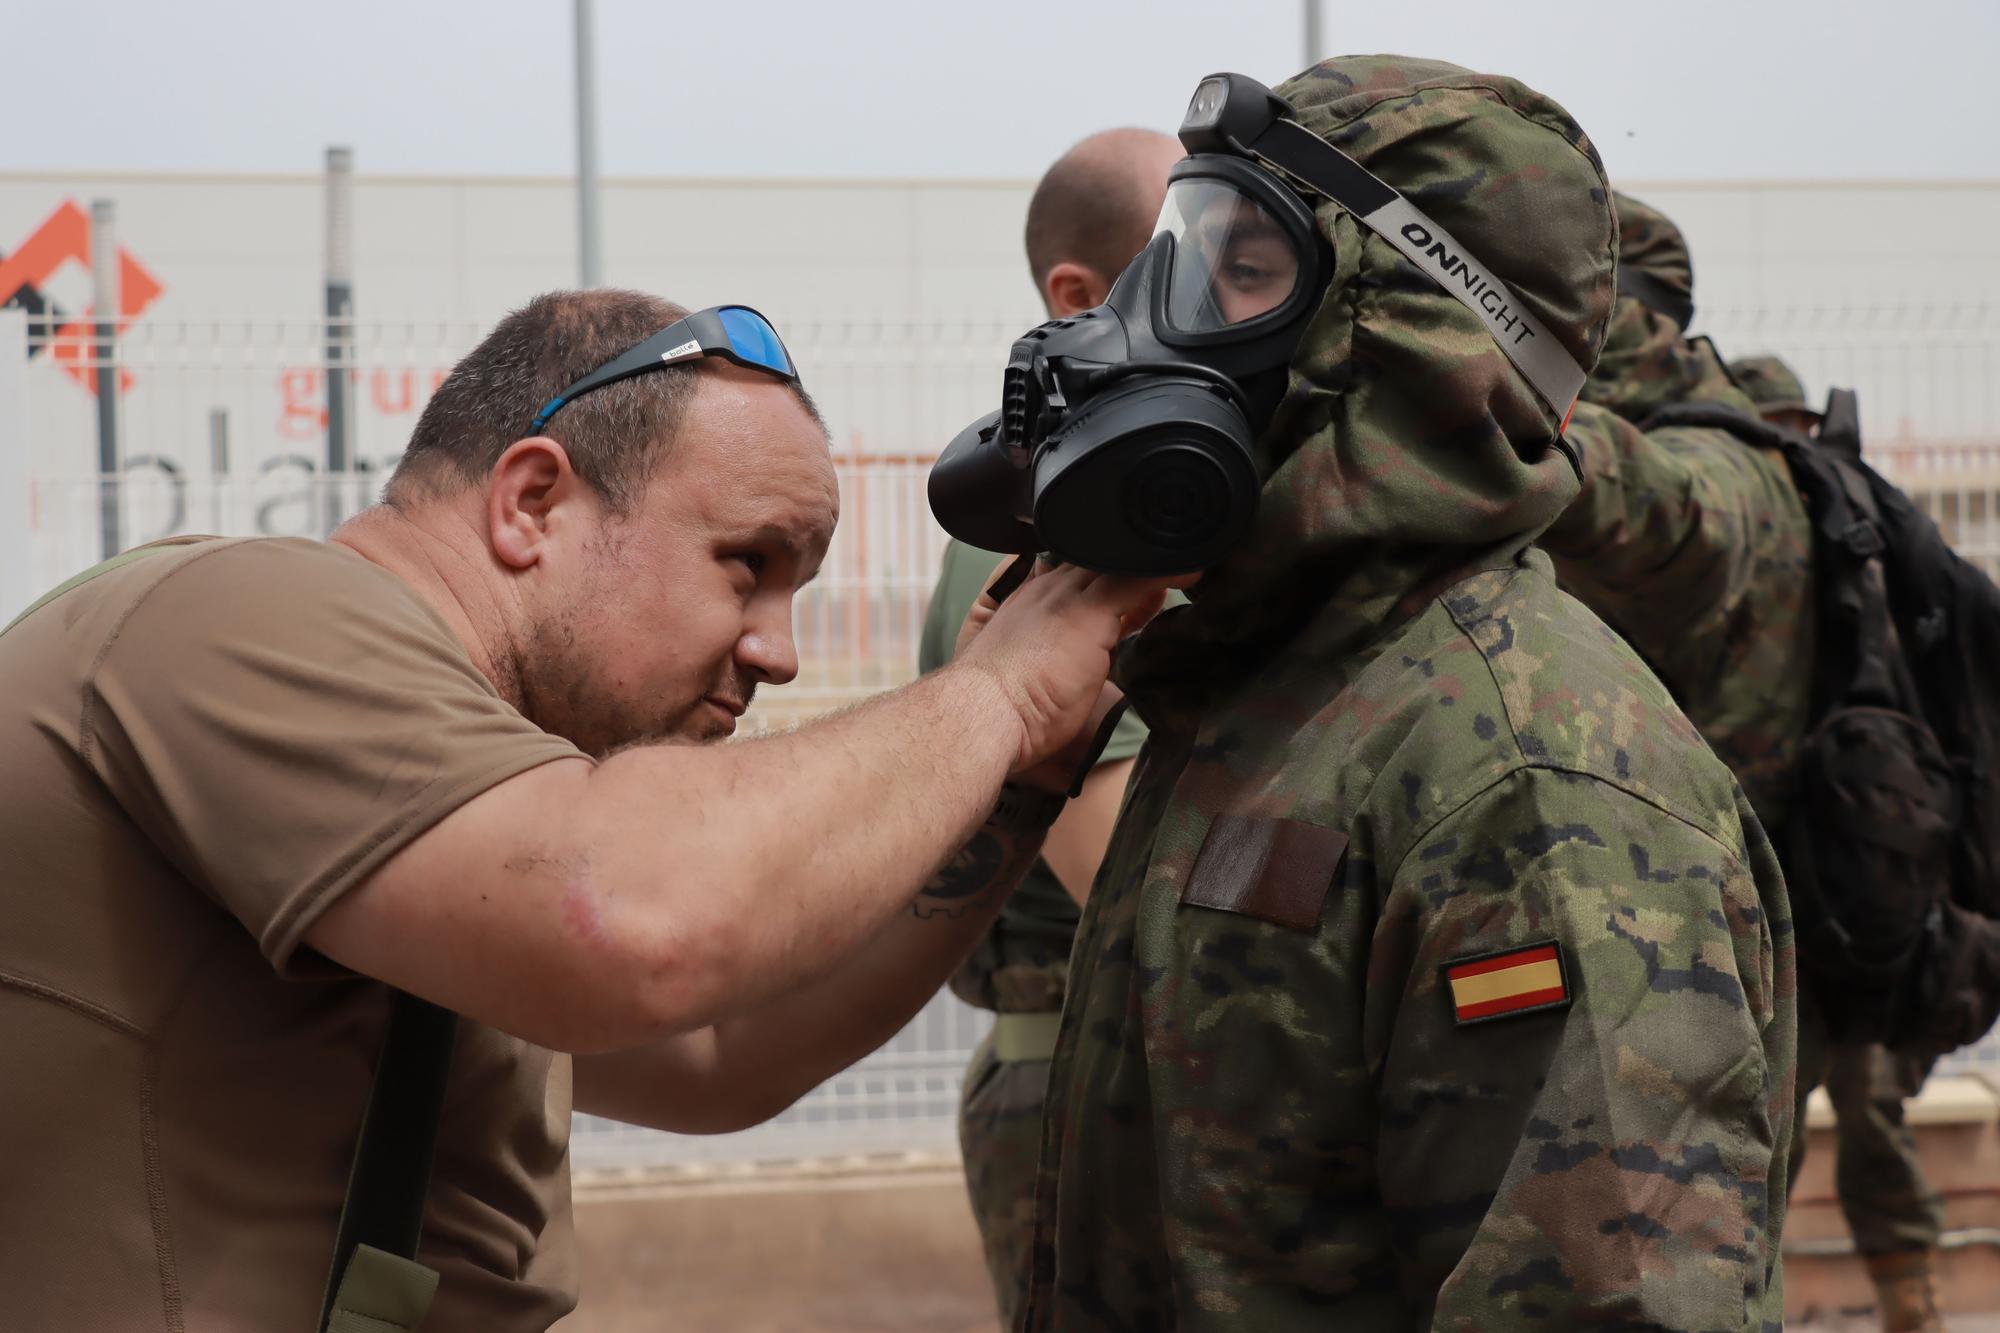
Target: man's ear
[1070, 288]
[531, 479]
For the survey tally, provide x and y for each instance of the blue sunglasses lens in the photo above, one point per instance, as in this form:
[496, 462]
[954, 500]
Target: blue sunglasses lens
[753, 339]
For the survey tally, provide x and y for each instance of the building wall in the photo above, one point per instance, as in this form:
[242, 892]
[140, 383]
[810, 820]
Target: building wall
[1883, 283]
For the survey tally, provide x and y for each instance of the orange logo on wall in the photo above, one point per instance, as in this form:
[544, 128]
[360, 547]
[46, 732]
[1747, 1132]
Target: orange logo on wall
[65, 236]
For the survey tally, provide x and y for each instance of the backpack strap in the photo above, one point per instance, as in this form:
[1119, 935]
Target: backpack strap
[1721, 416]
[1849, 544]
[1840, 514]
[1840, 424]
[376, 1285]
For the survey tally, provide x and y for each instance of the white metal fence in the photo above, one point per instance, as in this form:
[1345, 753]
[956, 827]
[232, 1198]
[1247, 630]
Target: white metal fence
[222, 430]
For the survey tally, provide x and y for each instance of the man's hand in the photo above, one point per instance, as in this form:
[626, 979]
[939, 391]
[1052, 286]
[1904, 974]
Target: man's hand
[1049, 647]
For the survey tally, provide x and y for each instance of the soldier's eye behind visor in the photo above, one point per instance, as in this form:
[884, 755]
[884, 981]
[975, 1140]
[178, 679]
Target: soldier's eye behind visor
[1233, 261]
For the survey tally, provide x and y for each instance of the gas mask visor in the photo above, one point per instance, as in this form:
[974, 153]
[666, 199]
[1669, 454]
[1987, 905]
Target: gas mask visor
[1126, 438]
[1233, 259]
[1234, 114]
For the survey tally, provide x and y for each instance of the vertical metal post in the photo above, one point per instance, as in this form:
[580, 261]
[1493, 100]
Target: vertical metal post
[339, 329]
[104, 293]
[589, 271]
[1315, 52]
[17, 481]
[218, 441]
[218, 466]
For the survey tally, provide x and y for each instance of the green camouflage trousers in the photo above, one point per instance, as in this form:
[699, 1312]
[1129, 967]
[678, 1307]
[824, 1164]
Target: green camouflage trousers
[1000, 1134]
[1889, 1206]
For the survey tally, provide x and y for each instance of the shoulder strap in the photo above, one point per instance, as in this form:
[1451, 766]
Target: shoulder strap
[1840, 424]
[1721, 416]
[1850, 544]
[1822, 475]
[391, 1174]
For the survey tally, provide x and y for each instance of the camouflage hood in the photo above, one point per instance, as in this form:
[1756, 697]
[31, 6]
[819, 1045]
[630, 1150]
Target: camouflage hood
[1653, 260]
[1407, 448]
[1648, 361]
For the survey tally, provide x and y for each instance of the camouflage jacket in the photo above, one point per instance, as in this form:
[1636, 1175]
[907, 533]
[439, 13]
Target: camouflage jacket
[1697, 548]
[1437, 975]
[1693, 544]
[1268, 1115]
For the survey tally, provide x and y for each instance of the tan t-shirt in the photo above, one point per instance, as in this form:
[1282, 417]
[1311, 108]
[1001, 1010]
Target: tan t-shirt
[199, 751]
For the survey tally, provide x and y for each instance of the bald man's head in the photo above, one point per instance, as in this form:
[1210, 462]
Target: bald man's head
[1094, 210]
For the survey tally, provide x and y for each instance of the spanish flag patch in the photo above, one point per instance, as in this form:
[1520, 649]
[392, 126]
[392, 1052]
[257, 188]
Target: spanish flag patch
[1513, 981]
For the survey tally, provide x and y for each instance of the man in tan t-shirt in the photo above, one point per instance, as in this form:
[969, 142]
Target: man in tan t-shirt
[244, 783]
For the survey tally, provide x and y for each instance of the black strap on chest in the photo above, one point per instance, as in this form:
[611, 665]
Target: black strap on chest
[391, 1174]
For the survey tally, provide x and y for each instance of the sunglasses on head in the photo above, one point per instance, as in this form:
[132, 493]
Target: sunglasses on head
[734, 332]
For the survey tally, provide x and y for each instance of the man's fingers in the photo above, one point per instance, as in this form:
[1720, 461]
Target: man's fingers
[1142, 615]
[1130, 595]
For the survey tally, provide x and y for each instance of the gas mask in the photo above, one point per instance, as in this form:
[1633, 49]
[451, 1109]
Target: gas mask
[1126, 436]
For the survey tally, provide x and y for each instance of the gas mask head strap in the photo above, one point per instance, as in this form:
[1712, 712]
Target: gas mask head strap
[1656, 296]
[1231, 113]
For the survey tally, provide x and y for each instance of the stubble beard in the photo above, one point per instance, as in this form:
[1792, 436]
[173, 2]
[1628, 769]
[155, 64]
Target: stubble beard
[559, 688]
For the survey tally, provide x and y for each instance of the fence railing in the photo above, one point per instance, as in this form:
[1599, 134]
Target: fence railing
[222, 430]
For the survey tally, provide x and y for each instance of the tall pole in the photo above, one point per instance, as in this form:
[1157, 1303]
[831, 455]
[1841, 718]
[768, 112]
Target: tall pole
[104, 302]
[339, 329]
[218, 463]
[589, 272]
[1314, 51]
[17, 487]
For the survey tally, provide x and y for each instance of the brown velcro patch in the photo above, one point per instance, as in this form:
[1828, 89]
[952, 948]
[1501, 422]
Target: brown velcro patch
[1277, 870]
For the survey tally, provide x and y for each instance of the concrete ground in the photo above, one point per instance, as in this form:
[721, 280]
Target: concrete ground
[882, 1246]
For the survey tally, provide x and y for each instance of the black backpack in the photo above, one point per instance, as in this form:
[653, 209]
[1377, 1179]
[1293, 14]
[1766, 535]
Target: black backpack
[1892, 850]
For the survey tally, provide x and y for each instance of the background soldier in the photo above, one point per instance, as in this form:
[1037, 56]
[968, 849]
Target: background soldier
[1696, 545]
[1090, 214]
[1894, 1213]
[1777, 391]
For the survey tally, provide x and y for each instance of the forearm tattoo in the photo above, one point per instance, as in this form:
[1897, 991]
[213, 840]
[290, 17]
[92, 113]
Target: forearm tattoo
[982, 870]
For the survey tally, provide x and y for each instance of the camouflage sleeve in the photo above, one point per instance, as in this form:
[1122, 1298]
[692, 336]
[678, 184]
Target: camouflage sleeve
[1664, 532]
[1616, 1155]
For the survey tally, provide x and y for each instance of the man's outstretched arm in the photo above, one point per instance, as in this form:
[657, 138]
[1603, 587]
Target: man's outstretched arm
[745, 1069]
[604, 907]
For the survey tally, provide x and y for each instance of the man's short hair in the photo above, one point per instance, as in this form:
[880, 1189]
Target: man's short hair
[1087, 211]
[616, 436]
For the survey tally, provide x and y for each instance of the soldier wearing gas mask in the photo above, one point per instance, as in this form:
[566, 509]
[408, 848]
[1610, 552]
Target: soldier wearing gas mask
[1437, 974]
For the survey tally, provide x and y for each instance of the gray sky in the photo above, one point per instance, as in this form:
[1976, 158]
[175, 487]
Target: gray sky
[1686, 89]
